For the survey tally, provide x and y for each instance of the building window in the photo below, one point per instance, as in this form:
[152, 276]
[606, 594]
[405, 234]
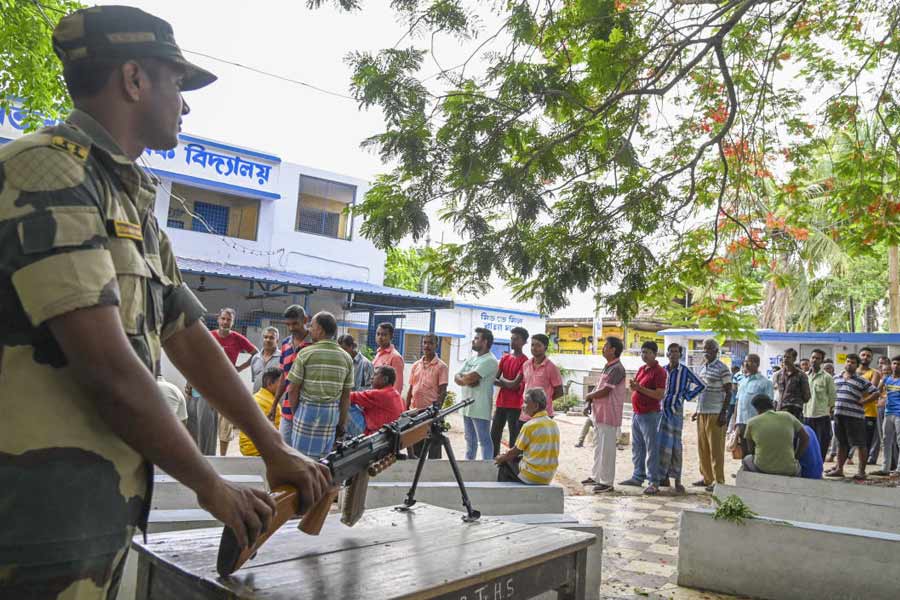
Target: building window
[321, 207]
[412, 347]
[209, 211]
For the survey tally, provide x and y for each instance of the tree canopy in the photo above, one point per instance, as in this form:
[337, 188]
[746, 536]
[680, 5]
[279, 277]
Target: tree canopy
[660, 149]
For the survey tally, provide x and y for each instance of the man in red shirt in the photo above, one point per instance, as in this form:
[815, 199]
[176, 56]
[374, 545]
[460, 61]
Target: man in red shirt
[647, 390]
[232, 342]
[387, 355]
[371, 409]
[509, 399]
[210, 425]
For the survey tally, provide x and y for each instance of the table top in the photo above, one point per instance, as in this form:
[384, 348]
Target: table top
[388, 554]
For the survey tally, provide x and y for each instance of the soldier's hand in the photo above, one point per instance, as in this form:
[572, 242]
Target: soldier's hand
[248, 512]
[286, 466]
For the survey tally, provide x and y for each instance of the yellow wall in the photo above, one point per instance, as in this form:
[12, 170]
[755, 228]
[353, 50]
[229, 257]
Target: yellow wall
[328, 205]
[569, 338]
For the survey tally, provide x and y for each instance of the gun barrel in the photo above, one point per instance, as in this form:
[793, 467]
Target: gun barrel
[455, 407]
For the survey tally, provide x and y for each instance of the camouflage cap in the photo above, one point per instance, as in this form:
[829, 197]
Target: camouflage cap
[103, 33]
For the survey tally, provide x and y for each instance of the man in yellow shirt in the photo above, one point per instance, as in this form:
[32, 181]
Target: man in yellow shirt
[265, 398]
[535, 457]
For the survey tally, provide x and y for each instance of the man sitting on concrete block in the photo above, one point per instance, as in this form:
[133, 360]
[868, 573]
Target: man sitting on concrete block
[371, 409]
[770, 436]
[535, 457]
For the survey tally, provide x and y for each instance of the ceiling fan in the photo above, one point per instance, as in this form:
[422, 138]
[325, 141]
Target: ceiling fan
[202, 287]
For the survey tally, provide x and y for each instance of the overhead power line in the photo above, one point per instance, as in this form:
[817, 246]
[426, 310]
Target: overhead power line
[270, 74]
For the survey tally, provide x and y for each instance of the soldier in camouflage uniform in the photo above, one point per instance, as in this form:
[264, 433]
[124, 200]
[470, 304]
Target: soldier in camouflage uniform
[89, 297]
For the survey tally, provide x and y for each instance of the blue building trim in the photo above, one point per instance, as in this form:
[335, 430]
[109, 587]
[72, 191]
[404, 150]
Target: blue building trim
[499, 309]
[437, 333]
[198, 140]
[209, 183]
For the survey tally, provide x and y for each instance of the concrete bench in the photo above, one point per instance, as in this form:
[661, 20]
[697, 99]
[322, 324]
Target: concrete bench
[238, 465]
[489, 497]
[815, 509]
[821, 488]
[439, 470]
[774, 559]
[169, 493]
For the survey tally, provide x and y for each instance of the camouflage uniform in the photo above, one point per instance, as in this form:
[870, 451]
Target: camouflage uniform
[77, 230]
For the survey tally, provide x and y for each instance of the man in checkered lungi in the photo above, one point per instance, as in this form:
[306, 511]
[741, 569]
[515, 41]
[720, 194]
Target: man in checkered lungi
[681, 386]
[321, 378]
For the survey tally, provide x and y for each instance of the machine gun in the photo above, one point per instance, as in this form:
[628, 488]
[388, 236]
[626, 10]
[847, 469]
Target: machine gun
[353, 462]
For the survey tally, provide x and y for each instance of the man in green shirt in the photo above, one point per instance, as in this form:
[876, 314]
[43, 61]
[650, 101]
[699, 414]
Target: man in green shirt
[770, 436]
[476, 378]
[817, 412]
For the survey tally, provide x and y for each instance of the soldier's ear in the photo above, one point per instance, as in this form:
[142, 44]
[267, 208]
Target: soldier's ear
[131, 80]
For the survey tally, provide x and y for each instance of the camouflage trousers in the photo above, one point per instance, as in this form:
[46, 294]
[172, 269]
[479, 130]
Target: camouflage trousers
[95, 578]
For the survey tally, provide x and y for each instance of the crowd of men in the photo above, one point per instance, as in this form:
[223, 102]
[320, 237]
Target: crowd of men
[784, 425]
[316, 389]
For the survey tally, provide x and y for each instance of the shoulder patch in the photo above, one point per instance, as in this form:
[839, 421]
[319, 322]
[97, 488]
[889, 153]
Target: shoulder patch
[73, 148]
[44, 169]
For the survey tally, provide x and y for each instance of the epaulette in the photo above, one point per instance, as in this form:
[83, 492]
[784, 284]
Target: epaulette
[50, 159]
[64, 137]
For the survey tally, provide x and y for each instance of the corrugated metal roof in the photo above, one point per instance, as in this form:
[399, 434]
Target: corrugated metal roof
[769, 335]
[407, 298]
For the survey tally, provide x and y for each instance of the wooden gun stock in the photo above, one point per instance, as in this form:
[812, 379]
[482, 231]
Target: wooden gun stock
[314, 519]
[231, 557]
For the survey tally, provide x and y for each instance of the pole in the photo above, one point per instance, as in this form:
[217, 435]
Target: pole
[852, 318]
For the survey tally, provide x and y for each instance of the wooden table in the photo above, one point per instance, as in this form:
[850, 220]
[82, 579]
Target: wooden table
[425, 553]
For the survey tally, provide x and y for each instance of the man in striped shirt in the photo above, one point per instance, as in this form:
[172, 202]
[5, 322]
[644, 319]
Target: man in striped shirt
[681, 386]
[853, 392]
[295, 318]
[711, 416]
[321, 379]
[535, 457]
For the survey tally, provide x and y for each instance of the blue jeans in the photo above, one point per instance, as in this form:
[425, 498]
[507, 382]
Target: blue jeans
[478, 433]
[286, 428]
[645, 446]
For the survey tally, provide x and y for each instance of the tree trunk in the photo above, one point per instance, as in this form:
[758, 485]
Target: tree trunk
[893, 289]
[777, 303]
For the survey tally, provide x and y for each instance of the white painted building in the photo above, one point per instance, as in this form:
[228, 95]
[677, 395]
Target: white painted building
[257, 234]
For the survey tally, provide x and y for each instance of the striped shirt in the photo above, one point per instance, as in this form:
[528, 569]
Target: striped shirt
[714, 375]
[539, 442]
[288, 354]
[681, 386]
[323, 371]
[850, 390]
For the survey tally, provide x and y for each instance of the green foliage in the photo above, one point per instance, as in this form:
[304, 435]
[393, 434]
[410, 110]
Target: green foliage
[732, 509]
[409, 269]
[31, 72]
[562, 404]
[647, 147]
[367, 351]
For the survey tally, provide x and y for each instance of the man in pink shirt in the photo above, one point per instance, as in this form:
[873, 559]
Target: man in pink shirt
[607, 400]
[387, 355]
[427, 386]
[539, 371]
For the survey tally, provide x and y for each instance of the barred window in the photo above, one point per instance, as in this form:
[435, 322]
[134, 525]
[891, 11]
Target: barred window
[320, 207]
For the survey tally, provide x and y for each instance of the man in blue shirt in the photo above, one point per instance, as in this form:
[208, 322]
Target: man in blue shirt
[811, 460]
[891, 385]
[681, 386]
[752, 384]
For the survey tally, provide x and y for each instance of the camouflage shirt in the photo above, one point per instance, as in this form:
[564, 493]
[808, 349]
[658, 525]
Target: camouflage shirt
[77, 230]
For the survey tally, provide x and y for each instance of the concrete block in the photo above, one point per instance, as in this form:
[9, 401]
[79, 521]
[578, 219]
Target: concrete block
[775, 560]
[816, 509]
[821, 488]
[171, 494]
[594, 561]
[238, 465]
[489, 497]
[179, 519]
[439, 470]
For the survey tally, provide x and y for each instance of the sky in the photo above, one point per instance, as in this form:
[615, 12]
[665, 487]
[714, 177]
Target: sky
[297, 123]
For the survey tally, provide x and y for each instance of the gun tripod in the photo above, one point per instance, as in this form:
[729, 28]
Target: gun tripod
[436, 436]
